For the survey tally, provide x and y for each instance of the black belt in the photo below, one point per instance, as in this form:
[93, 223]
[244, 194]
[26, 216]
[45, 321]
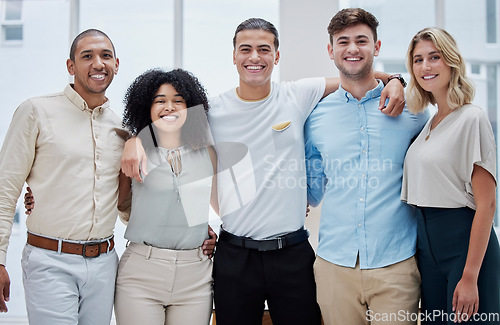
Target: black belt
[290, 239]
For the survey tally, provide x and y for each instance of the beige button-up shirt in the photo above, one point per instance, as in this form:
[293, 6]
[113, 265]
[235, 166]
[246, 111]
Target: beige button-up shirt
[70, 157]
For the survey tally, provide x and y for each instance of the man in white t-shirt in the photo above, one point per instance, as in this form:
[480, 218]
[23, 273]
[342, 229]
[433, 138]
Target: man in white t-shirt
[263, 252]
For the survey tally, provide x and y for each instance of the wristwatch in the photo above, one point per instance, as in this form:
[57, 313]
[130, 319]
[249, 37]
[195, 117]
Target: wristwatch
[399, 77]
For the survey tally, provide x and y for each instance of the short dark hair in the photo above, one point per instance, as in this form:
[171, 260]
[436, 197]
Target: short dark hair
[258, 24]
[350, 17]
[85, 33]
[139, 99]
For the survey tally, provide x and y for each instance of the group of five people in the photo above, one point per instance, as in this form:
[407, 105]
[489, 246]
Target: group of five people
[348, 137]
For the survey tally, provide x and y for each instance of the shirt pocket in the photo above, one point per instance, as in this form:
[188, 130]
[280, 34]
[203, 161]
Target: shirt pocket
[283, 135]
[394, 144]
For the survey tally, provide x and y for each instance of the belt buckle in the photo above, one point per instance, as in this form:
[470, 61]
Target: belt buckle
[84, 249]
[270, 244]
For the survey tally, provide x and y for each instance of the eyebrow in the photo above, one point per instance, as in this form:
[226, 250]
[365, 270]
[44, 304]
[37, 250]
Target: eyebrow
[92, 51]
[355, 37]
[163, 95]
[258, 46]
[430, 53]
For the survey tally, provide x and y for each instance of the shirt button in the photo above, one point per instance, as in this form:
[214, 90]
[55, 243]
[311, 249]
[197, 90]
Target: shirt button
[97, 199]
[363, 175]
[361, 199]
[98, 157]
[359, 105]
[362, 128]
[364, 151]
[98, 177]
[359, 224]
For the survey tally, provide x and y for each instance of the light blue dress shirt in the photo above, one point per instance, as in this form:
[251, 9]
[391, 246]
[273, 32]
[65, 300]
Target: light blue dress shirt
[354, 159]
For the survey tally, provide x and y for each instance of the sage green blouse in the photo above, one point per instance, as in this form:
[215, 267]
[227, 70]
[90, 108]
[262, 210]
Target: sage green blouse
[170, 211]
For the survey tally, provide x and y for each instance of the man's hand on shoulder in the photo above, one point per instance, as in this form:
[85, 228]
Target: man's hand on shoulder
[395, 92]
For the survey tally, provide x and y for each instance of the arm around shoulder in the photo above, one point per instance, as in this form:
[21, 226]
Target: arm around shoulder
[134, 159]
[332, 85]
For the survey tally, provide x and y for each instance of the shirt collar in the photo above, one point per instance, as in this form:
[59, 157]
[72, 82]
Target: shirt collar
[373, 93]
[79, 102]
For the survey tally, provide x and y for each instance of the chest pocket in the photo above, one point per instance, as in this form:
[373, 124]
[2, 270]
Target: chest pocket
[283, 134]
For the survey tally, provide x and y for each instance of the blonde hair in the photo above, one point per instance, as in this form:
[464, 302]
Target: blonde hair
[461, 89]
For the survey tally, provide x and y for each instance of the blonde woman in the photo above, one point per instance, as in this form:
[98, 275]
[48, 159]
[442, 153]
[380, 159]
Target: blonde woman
[450, 174]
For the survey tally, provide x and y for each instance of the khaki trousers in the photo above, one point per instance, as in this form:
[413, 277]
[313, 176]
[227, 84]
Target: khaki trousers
[351, 296]
[160, 286]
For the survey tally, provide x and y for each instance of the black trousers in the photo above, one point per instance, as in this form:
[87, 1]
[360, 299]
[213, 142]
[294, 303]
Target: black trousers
[443, 243]
[245, 278]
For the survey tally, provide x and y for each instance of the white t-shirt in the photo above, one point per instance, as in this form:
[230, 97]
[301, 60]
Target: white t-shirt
[438, 171]
[260, 147]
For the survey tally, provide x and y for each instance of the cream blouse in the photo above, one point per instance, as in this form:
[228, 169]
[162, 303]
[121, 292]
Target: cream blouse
[438, 171]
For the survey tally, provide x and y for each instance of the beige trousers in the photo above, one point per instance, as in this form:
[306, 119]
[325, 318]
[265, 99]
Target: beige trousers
[351, 296]
[160, 286]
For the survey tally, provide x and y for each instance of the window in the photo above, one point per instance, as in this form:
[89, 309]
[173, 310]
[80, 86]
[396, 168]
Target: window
[12, 26]
[491, 21]
[492, 100]
[475, 68]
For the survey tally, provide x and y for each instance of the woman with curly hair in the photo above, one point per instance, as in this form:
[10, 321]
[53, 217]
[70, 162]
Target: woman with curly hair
[450, 175]
[163, 275]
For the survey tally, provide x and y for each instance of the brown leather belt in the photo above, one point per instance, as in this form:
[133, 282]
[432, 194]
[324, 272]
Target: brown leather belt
[87, 249]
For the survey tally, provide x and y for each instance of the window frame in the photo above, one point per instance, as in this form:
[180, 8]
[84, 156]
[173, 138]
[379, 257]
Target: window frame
[495, 39]
[7, 23]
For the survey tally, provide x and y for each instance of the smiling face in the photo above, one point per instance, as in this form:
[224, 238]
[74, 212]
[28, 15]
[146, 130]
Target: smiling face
[169, 110]
[255, 56]
[429, 68]
[353, 50]
[93, 68]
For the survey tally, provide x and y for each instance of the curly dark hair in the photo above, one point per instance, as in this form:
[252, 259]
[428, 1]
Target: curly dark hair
[139, 99]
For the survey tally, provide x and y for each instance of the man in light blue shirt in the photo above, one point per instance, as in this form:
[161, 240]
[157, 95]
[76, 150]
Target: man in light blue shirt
[365, 269]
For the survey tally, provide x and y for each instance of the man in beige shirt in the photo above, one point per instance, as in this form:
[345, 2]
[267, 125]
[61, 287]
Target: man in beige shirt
[67, 147]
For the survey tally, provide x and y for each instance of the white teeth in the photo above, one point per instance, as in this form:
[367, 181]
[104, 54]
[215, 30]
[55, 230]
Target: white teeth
[353, 59]
[429, 77]
[169, 117]
[254, 67]
[98, 76]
